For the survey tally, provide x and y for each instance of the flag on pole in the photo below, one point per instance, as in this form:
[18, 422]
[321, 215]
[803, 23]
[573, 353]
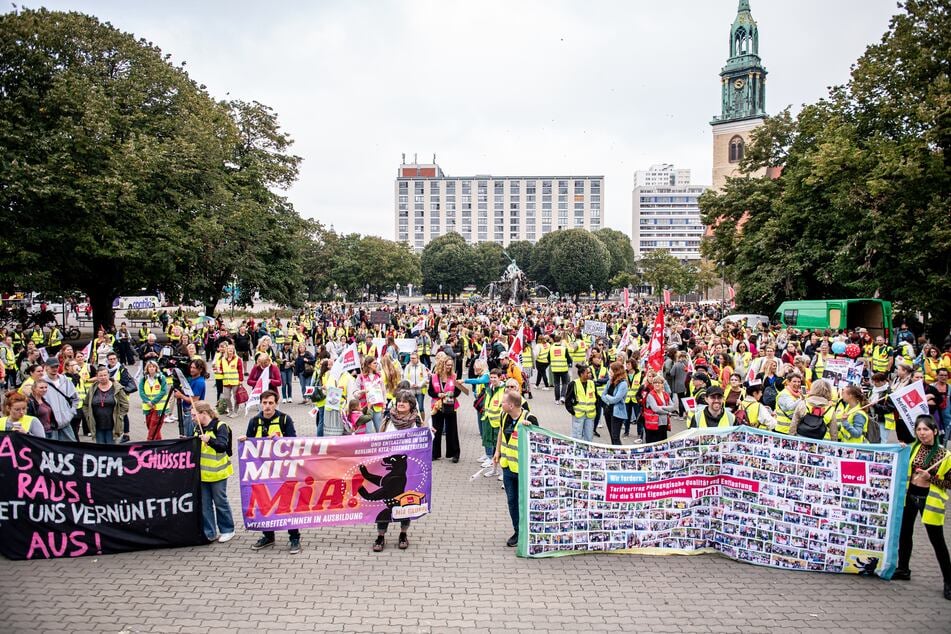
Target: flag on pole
[667, 297]
[347, 360]
[420, 326]
[87, 351]
[627, 298]
[484, 354]
[751, 374]
[624, 342]
[655, 349]
[515, 348]
[264, 382]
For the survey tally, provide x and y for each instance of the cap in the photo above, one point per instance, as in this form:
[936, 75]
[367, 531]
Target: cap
[51, 362]
[715, 391]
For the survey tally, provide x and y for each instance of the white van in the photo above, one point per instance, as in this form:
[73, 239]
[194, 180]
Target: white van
[136, 302]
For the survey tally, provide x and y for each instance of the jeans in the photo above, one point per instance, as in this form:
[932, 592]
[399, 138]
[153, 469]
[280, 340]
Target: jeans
[188, 424]
[884, 433]
[376, 423]
[614, 426]
[287, 382]
[104, 437]
[561, 384]
[215, 511]
[320, 422]
[582, 429]
[65, 434]
[510, 481]
[419, 405]
[382, 526]
[304, 381]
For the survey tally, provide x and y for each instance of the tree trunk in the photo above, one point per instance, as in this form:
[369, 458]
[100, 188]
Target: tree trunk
[210, 308]
[102, 312]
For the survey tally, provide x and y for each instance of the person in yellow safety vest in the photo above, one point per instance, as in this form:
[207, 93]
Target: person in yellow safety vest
[491, 418]
[144, 332]
[542, 360]
[215, 466]
[786, 402]
[37, 336]
[153, 390]
[883, 356]
[818, 363]
[882, 409]
[579, 350]
[9, 362]
[513, 422]
[714, 414]
[634, 379]
[581, 404]
[54, 340]
[599, 374]
[757, 415]
[231, 371]
[18, 420]
[853, 422]
[929, 480]
[272, 423]
[280, 335]
[559, 367]
[367, 348]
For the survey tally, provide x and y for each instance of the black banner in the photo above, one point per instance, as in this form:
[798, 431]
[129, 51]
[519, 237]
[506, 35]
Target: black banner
[64, 499]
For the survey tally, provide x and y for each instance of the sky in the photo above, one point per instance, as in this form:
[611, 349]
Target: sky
[492, 87]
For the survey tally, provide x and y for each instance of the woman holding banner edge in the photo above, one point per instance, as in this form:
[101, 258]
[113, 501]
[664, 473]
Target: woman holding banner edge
[215, 466]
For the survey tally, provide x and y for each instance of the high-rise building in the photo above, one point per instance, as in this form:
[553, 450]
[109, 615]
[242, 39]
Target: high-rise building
[501, 209]
[742, 96]
[666, 214]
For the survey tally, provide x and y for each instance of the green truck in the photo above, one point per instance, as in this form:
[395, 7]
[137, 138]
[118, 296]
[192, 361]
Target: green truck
[875, 315]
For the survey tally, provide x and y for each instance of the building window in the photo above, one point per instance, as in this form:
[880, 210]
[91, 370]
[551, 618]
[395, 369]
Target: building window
[736, 149]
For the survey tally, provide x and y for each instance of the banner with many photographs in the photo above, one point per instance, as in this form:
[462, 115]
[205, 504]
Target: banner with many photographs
[754, 496]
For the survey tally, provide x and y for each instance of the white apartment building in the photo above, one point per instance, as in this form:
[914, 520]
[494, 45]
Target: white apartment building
[501, 209]
[666, 214]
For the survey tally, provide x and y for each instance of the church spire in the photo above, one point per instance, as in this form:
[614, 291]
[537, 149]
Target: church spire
[743, 78]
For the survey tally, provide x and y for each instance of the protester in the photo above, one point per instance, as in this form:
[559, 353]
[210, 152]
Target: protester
[371, 392]
[154, 392]
[272, 423]
[658, 408]
[304, 363]
[580, 402]
[105, 407]
[614, 395]
[16, 419]
[714, 414]
[63, 399]
[215, 466]
[444, 390]
[514, 418]
[929, 482]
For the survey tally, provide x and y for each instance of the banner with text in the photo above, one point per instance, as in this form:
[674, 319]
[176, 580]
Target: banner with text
[754, 496]
[66, 499]
[334, 481]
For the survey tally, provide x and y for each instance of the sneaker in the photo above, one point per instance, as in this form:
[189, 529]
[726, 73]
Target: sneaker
[378, 544]
[295, 545]
[490, 472]
[404, 542]
[512, 541]
[638, 441]
[500, 478]
[901, 574]
[487, 463]
[125, 438]
[627, 434]
[263, 542]
[226, 537]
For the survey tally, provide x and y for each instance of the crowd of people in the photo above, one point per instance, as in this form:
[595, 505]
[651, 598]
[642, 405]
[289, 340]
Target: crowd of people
[709, 372]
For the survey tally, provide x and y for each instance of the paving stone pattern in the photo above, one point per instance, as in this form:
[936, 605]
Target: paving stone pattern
[457, 576]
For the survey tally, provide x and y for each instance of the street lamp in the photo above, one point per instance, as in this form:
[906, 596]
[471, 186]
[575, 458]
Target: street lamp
[397, 292]
[440, 292]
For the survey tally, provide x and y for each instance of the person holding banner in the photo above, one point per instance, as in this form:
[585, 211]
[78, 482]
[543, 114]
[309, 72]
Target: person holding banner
[514, 418]
[444, 391]
[614, 395]
[369, 389]
[658, 408]
[272, 423]
[580, 400]
[215, 465]
[853, 421]
[929, 480]
[15, 418]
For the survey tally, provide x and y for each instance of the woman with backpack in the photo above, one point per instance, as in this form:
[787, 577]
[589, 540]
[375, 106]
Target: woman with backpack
[217, 520]
[853, 422]
[929, 480]
[814, 417]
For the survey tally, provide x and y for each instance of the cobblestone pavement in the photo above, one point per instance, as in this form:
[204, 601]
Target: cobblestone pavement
[456, 576]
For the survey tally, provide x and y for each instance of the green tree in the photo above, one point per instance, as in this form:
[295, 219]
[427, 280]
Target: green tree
[446, 264]
[861, 205]
[382, 264]
[579, 261]
[619, 246]
[540, 269]
[105, 148]
[706, 277]
[488, 262]
[625, 279]
[661, 270]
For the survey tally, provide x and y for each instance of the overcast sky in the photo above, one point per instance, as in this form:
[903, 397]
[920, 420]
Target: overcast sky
[517, 87]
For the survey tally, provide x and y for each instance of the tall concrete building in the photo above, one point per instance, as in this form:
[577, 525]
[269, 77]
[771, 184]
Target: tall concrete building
[665, 212]
[742, 96]
[486, 208]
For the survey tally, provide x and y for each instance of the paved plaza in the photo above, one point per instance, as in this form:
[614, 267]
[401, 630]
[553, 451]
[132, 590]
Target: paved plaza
[456, 576]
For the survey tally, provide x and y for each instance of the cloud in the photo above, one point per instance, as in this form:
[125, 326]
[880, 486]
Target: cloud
[492, 87]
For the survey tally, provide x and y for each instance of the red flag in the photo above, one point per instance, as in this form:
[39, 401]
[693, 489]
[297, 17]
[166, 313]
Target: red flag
[627, 298]
[655, 350]
[666, 297]
[515, 348]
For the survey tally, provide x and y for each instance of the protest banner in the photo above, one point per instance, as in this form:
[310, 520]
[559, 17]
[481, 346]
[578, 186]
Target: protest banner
[836, 371]
[335, 481]
[596, 328]
[379, 317]
[67, 499]
[406, 345]
[751, 495]
[910, 403]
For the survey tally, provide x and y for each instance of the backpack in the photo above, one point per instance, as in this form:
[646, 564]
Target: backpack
[769, 396]
[813, 424]
[230, 449]
[741, 416]
[873, 433]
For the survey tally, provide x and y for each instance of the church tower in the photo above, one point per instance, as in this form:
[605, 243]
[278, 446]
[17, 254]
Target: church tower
[743, 96]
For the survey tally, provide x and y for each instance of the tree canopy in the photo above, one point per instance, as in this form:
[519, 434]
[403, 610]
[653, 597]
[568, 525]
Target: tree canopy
[861, 205]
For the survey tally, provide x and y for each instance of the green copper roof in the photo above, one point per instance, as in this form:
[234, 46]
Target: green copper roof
[743, 78]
